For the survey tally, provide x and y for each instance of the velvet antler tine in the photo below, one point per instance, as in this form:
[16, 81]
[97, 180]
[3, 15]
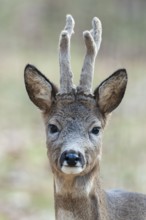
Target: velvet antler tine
[92, 41]
[97, 32]
[66, 83]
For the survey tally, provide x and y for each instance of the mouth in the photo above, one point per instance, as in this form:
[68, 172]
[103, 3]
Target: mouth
[71, 170]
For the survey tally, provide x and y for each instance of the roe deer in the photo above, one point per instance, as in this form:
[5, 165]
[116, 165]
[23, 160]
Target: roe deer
[74, 119]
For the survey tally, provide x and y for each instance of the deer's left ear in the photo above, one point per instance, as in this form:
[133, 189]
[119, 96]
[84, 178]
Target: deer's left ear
[111, 91]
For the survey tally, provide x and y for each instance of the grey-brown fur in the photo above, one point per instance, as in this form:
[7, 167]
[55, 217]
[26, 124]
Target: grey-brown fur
[75, 119]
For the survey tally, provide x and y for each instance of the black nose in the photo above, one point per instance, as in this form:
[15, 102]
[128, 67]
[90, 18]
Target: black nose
[71, 158]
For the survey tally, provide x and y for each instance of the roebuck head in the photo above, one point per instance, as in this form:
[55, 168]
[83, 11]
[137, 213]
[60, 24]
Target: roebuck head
[75, 116]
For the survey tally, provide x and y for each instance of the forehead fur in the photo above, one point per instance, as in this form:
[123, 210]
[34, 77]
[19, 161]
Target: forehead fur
[76, 107]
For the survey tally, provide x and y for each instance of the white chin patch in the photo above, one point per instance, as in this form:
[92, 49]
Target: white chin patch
[71, 170]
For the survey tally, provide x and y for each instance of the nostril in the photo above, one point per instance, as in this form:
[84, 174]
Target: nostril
[77, 159]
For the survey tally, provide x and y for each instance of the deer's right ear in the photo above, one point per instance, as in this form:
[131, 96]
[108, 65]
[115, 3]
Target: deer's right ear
[40, 90]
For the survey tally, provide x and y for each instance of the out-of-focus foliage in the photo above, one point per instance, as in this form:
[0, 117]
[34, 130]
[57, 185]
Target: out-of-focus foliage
[36, 24]
[29, 34]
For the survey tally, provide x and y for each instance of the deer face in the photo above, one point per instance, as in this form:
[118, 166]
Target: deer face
[74, 130]
[75, 117]
[74, 122]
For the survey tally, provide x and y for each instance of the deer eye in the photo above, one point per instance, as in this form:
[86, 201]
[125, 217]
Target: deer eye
[53, 128]
[95, 130]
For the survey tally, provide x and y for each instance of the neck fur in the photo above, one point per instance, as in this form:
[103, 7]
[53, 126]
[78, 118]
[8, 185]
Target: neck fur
[79, 198]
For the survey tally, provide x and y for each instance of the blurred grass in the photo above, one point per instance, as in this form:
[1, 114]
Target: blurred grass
[26, 184]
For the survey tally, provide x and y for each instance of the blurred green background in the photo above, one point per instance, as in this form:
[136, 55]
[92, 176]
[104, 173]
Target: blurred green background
[29, 34]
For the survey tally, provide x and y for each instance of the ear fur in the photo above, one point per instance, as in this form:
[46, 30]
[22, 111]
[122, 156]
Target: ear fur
[111, 91]
[40, 90]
